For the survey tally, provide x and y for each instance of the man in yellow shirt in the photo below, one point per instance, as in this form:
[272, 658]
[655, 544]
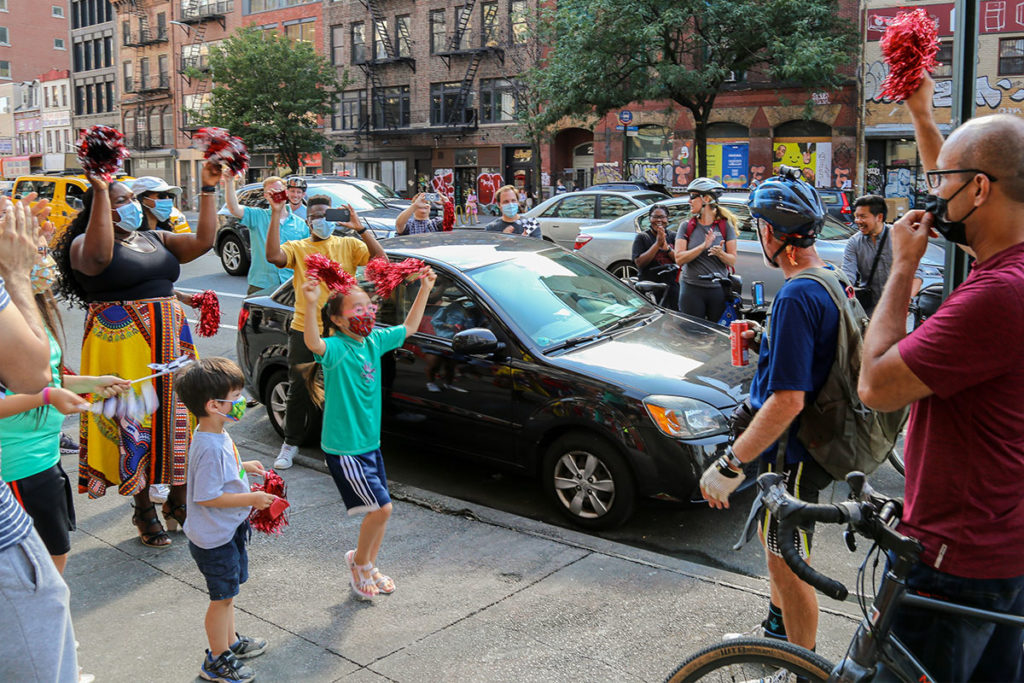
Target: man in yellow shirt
[347, 251]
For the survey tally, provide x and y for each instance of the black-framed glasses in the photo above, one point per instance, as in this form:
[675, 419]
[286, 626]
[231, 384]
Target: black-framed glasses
[695, 195]
[934, 178]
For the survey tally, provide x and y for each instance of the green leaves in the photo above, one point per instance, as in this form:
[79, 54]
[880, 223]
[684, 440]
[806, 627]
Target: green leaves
[272, 93]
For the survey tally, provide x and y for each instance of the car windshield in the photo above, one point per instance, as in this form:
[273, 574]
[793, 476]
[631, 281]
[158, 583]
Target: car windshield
[378, 190]
[554, 297]
[343, 193]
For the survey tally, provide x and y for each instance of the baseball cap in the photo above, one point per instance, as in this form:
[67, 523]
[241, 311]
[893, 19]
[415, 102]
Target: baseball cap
[151, 183]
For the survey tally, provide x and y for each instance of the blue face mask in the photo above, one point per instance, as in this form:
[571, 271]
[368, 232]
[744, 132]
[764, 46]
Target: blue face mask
[511, 209]
[130, 216]
[321, 228]
[162, 209]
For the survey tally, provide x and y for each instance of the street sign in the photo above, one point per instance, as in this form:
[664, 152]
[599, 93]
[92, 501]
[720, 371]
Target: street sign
[632, 132]
[632, 128]
[625, 116]
[620, 128]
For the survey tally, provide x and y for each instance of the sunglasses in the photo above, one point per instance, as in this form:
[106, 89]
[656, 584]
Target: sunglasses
[695, 195]
[160, 195]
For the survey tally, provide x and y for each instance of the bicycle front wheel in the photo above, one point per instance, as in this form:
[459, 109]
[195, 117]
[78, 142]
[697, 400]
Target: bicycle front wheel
[753, 659]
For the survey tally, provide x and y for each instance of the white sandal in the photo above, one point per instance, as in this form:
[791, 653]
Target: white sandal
[382, 581]
[364, 588]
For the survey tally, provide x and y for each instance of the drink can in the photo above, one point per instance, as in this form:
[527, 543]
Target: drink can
[739, 344]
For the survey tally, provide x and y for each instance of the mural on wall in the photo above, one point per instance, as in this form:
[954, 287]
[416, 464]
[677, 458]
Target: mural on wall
[486, 185]
[802, 155]
[443, 182]
[607, 172]
[651, 171]
[757, 174]
[1001, 98]
[898, 183]
[873, 179]
[842, 166]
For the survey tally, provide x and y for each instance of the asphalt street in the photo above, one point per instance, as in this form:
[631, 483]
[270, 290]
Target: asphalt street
[687, 532]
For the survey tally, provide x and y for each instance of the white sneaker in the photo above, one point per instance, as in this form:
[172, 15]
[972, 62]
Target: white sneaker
[433, 387]
[285, 457]
[158, 493]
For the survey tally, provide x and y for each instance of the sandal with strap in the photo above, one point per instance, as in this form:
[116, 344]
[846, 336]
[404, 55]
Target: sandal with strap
[364, 588]
[385, 584]
[150, 538]
[174, 515]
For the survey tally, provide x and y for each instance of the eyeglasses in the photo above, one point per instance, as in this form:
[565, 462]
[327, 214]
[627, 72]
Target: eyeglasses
[934, 178]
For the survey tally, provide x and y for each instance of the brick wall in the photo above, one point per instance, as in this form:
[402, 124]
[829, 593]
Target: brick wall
[32, 29]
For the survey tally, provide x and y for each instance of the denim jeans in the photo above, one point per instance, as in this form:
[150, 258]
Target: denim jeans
[956, 648]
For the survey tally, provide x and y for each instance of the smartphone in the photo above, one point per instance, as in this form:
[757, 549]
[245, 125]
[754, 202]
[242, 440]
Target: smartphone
[338, 215]
[432, 197]
[279, 196]
[757, 293]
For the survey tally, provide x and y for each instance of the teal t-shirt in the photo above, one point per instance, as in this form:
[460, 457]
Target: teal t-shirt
[352, 390]
[31, 441]
[263, 273]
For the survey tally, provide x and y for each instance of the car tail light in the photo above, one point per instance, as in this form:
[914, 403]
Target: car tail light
[581, 240]
[243, 316]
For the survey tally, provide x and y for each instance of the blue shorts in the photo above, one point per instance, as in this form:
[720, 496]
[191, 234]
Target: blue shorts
[361, 480]
[225, 567]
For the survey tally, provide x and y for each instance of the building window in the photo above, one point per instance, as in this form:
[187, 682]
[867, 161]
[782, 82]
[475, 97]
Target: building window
[489, 25]
[100, 106]
[403, 41]
[77, 61]
[337, 45]
[359, 43]
[395, 103]
[1011, 56]
[5, 105]
[79, 100]
[5, 69]
[444, 101]
[108, 51]
[161, 25]
[380, 34]
[110, 95]
[165, 76]
[126, 33]
[167, 121]
[348, 113]
[129, 84]
[58, 44]
[143, 73]
[518, 21]
[5, 38]
[303, 32]
[155, 136]
[57, 11]
[497, 100]
[438, 31]
[463, 19]
[3, 5]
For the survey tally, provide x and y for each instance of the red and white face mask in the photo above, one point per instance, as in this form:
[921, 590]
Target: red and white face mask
[361, 323]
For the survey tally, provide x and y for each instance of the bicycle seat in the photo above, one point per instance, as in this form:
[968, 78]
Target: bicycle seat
[646, 286]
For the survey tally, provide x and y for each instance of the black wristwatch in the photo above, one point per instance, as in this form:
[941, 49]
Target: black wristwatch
[360, 232]
[208, 189]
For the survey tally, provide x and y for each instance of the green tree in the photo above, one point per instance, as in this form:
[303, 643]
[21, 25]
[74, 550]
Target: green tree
[272, 92]
[608, 53]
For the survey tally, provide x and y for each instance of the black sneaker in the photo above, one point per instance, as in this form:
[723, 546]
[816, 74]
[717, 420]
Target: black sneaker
[225, 668]
[246, 647]
[67, 444]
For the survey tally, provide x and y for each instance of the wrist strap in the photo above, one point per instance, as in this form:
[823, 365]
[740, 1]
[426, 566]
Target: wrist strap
[208, 188]
[46, 396]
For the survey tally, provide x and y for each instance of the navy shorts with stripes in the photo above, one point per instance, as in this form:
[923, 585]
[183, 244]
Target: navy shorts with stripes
[361, 480]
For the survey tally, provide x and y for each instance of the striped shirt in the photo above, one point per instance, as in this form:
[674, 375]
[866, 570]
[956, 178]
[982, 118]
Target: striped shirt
[15, 524]
[415, 226]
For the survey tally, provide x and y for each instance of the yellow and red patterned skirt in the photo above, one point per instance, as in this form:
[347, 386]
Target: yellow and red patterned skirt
[123, 338]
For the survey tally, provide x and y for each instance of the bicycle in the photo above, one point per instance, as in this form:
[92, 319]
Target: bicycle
[875, 517]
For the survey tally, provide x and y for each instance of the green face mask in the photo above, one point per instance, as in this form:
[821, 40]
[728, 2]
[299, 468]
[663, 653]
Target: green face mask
[237, 408]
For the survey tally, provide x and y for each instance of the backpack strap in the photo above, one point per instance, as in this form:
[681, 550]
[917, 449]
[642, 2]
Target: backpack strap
[722, 228]
[878, 255]
[690, 227]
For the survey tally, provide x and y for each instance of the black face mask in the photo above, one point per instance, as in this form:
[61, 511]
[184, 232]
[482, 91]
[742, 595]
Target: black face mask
[953, 231]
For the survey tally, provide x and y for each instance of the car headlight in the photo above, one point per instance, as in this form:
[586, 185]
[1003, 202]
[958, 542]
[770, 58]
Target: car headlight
[685, 418]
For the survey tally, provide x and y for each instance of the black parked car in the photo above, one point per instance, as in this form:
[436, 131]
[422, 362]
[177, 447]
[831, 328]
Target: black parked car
[232, 241]
[532, 358]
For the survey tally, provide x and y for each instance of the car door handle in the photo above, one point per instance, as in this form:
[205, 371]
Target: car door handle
[405, 355]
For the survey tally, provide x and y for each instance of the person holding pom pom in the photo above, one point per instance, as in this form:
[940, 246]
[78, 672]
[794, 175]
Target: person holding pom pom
[351, 396]
[350, 253]
[219, 503]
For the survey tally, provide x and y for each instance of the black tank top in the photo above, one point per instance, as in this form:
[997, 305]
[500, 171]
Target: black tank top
[133, 274]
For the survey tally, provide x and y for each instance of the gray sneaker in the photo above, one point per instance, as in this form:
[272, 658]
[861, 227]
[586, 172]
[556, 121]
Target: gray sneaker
[246, 647]
[226, 669]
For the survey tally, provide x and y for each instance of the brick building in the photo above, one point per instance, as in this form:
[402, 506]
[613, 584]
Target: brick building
[55, 118]
[33, 38]
[431, 92]
[892, 164]
[94, 60]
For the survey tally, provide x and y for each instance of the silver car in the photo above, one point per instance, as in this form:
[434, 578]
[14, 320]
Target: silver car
[611, 245]
[562, 216]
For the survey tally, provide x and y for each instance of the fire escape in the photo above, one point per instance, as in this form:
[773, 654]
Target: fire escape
[144, 86]
[459, 115]
[197, 14]
[371, 68]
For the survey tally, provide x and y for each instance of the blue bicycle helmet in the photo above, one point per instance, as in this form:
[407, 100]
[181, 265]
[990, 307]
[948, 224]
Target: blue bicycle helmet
[791, 205]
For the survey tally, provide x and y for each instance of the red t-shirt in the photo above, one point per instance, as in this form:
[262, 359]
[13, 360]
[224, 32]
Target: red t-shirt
[964, 448]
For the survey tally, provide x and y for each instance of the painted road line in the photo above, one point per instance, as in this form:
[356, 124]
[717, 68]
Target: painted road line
[230, 327]
[197, 291]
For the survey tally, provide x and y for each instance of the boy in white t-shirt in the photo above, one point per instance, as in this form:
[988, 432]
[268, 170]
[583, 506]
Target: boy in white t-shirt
[218, 502]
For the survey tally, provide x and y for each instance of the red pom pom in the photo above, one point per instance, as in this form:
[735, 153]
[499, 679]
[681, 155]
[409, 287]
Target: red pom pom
[272, 519]
[386, 275]
[319, 267]
[209, 312]
[101, 151]
[909, 47]
[449, 217]
[222, 147]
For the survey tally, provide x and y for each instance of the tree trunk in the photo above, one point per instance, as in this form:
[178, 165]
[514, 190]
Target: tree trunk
[701, 113]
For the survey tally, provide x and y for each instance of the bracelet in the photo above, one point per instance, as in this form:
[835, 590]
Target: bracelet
[46, 396]
[208, 189]
[360, 232]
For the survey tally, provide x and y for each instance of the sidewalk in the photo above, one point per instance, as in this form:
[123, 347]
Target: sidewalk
[482, 596]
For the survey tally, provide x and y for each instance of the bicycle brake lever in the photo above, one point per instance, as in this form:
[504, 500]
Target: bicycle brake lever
[851, 539]
[752, 521]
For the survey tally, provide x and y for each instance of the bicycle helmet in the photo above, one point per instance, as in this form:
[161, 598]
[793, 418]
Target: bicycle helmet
[706, 186]
[790, 205]
[295, 181]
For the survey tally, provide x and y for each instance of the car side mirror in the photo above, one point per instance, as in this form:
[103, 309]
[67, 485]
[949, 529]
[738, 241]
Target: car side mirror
[476, 340]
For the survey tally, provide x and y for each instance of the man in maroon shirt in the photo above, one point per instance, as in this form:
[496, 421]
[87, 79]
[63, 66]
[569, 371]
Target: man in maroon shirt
[963, 371]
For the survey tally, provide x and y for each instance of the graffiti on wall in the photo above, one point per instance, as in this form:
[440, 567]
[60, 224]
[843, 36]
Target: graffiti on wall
[1001, 98]
[486, 185]
[873, 182]
[651, 171]
[607, 172]
[842, 163]
[443, 182]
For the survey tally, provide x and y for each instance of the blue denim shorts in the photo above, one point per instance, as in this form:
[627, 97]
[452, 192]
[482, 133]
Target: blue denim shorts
[225, 567]
[361, 480]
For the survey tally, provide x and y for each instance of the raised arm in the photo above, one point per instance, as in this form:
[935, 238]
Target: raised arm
[187, 246]
[93, 252]
[275, 254]
[311, 334]
[415, 316]
[229, 193]
[406, 214]
[926, 132]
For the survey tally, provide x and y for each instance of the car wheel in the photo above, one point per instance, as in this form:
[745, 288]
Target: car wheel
[624, 270]
[233, 256]
[588, 481]
[275, 398]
